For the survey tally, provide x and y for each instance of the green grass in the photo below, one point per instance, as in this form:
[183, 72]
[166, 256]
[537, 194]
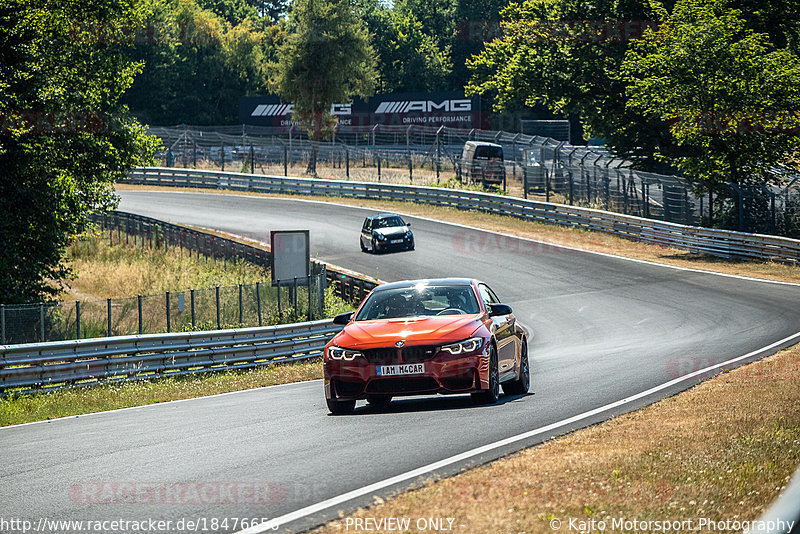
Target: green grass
[124, 270]
[16, 409]
[120, 271]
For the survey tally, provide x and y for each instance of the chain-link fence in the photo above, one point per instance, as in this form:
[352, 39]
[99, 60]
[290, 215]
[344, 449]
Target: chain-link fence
[214, 308]
[533, 166]
[592, 177]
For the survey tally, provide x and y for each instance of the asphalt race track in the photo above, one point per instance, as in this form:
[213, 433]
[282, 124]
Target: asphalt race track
[605, 329]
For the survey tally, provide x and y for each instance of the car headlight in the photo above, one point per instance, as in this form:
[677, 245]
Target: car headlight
[463, 347]
[338, 353]
[380, 237]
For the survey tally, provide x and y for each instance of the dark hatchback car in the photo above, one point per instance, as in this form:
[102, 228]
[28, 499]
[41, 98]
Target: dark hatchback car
[422, 337]
[384, 232]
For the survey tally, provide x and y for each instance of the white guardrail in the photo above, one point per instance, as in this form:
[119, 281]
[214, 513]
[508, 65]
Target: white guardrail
[43, 366]
[723, 243]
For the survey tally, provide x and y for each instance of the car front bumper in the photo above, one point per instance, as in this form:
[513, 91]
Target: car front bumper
[357, 379]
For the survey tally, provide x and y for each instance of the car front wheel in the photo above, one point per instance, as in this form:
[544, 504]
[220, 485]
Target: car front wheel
[492, 394]
[522, 384]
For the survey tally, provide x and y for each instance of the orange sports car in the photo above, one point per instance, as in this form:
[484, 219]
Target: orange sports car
[422, 337]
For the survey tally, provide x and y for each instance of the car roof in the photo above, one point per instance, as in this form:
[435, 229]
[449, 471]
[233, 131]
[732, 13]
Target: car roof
[482, 143]
[427, 282]
[383, 216]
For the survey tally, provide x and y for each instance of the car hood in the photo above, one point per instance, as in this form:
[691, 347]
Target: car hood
[426, 330]
[392, 230]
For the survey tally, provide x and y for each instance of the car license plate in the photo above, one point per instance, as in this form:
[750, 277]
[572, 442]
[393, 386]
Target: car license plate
[396, 241]
[402, 369]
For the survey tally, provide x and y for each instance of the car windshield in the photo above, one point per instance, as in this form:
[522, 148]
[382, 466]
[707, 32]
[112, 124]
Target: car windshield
[419, 300]
[489, 152]
[388, 222]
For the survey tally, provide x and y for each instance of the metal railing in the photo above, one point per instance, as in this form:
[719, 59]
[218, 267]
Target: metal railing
[54, 365]
[722, 243]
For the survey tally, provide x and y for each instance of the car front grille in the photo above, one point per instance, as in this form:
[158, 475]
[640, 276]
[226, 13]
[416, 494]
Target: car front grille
[389, 355]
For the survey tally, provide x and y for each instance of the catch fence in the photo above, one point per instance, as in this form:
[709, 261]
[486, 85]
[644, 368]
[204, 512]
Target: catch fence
[243, 305]
[535, 167]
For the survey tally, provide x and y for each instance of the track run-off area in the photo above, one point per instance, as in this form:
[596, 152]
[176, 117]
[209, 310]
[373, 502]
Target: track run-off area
[609, 335]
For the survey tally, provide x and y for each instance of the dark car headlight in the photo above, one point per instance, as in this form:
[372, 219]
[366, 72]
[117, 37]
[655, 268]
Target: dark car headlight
[338, 353]
[380, 237]
[462, 347]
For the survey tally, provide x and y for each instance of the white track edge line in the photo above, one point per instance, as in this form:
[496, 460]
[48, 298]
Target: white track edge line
[176, 401]
[274, 524]
[429, 219]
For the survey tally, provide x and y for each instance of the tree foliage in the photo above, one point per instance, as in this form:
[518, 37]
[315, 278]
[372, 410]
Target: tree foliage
[64, 138]
[196, 64]
[730, 98]
[325, 59]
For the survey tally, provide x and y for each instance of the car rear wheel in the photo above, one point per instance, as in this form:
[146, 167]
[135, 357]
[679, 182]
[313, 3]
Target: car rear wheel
[379, 401]
[522, 384]
[340, 407]
[492, 394]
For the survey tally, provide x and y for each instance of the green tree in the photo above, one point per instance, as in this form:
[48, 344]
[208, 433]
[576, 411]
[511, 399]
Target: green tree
[567, 57]
[411, 60]
[196, 65]
[64, 138]
[730, 99]
[326, 58]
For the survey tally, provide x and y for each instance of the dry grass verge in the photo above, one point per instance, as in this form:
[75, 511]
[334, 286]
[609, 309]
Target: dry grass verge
[721, 451]
[556, 235]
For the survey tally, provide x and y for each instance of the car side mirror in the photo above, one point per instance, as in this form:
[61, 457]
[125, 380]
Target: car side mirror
[408, 224]
[343, 318]
[499, 309]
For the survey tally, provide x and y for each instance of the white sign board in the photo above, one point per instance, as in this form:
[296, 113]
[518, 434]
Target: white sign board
[291, 255]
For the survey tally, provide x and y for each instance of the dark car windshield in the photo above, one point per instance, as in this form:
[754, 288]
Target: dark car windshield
[387, 222]
[419, 300]
[489, 152]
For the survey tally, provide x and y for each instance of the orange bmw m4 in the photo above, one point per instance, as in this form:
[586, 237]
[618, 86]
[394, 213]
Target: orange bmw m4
[422, 337]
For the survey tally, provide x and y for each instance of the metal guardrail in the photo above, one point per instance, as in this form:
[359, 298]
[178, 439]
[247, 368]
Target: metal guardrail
[722, 243]
[43, 366]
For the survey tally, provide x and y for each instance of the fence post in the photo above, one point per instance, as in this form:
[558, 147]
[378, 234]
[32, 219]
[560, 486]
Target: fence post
[258, 301]
[222, 157]
[139, 298]
[108, 308]
[241, 308]
[308, 287]
[410, 172]
[285, 160]
[41, 321]
[3, 323]
[323, 282]
[252, 160]
[169, 322]
[280, 312]
[379, 168]
[78, 318]
[191, 298]
[347, 162]
[294, 296]
[219, 322]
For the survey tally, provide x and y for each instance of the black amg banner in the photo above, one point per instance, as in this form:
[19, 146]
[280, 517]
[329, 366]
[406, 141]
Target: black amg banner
[450, 109]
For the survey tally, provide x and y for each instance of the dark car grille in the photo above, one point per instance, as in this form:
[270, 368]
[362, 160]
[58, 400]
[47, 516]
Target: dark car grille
[402, 385]
[419, 354]
[382, 356]
[388, 355]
